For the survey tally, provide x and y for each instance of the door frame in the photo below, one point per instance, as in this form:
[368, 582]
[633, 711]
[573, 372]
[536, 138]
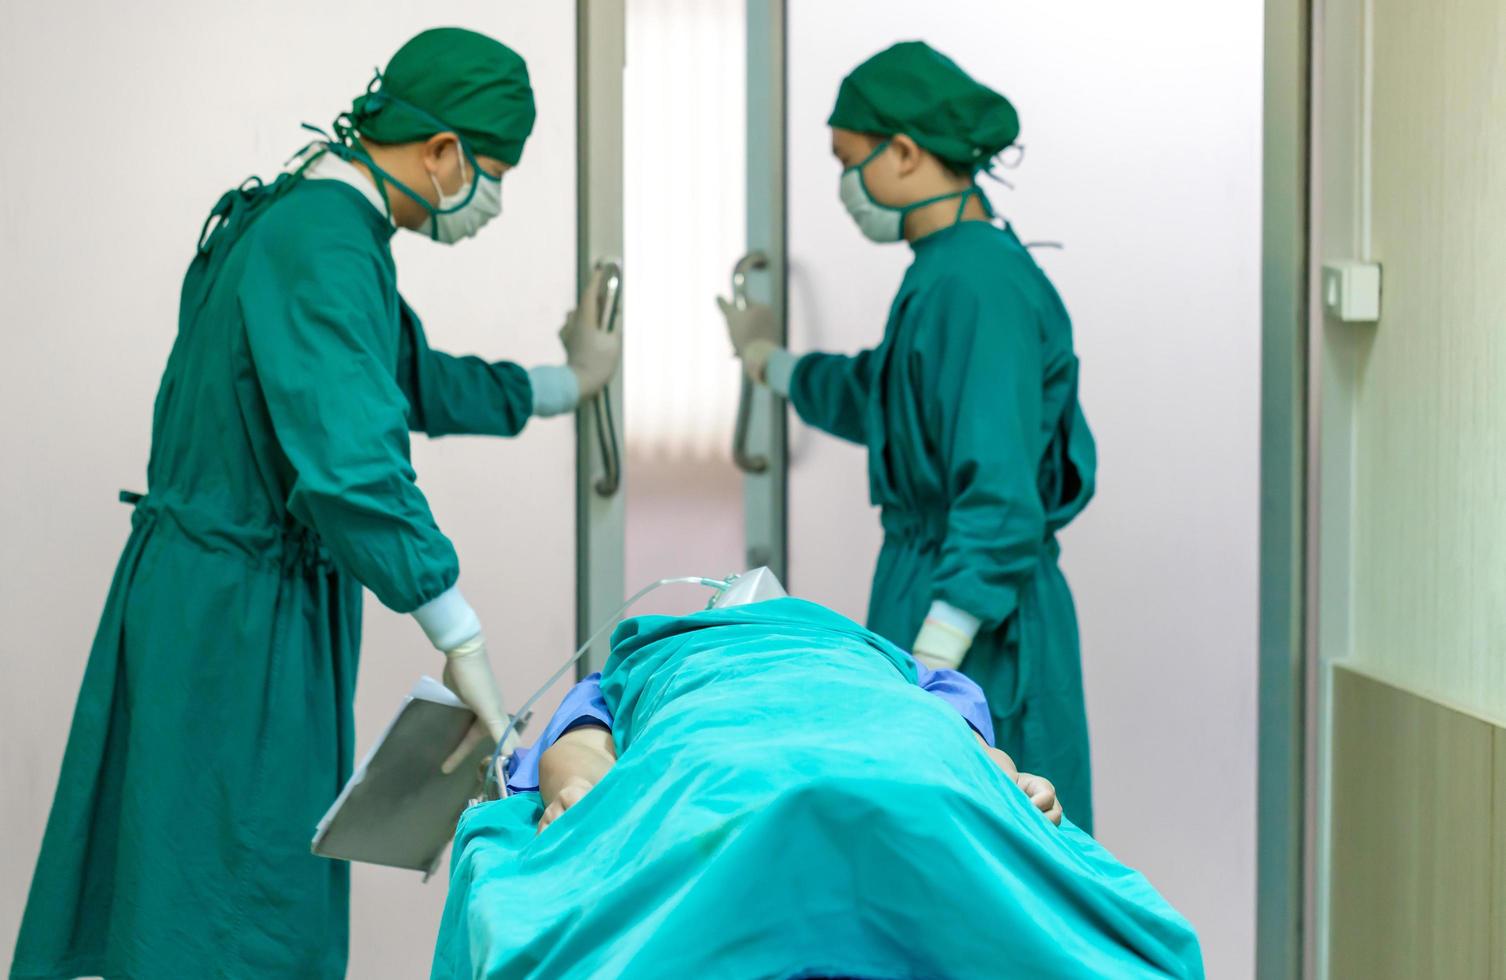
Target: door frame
[1339, 228]
[600, 520]
[1287, 559]
[765, 494]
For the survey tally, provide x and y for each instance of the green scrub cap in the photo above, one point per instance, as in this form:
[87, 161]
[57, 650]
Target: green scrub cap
[451, 80]
[912, 88]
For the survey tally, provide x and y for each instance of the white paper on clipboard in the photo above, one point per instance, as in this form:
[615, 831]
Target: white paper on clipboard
[398, 809]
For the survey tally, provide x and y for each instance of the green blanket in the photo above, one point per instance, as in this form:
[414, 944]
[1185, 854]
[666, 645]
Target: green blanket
[788, 803]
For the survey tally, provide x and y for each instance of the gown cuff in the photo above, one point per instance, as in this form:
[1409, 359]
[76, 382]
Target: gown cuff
[555, 390]
[449, 620]
[960, 620]
[945, 636]
[779, 371]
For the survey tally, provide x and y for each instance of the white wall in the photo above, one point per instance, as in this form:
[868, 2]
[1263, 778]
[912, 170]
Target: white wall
[124, 122]
[1142, 124]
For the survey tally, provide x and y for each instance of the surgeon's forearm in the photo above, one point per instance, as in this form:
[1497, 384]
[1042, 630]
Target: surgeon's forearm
[582, 755]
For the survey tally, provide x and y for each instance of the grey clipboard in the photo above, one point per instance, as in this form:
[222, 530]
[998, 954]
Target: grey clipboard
[398, 809]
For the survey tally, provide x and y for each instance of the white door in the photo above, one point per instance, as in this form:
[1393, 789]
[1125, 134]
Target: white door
[695, 157]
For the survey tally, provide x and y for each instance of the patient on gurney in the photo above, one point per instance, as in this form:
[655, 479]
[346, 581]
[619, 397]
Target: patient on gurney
[578, 749]
[772, 791]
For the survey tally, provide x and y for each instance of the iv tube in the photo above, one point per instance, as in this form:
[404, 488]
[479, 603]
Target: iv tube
[499, 758]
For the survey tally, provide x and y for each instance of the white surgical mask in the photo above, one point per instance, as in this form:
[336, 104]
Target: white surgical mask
[883, 222]
[462, 214]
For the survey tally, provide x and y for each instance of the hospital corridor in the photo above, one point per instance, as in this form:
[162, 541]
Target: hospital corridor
[753, 489]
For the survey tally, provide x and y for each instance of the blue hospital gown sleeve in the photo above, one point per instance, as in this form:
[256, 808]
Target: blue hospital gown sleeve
[582, 706]
[959, 691]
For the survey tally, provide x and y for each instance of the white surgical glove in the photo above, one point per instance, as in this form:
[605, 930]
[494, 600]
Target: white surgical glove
[945, 636]
[468, 672]
[754, 332]
[453, 627]
[592, 353]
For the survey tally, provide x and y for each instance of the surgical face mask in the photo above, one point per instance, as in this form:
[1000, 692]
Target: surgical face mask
[463, 213]
[883, 222]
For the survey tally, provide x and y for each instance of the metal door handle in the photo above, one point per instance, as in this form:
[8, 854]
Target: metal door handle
[608, 301]
[747, 463]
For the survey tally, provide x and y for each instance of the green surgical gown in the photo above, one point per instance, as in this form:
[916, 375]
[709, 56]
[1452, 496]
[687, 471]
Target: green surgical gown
[978, 453]
[214, 725]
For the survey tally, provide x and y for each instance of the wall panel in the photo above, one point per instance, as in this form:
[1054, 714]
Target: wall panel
[1412, 836]
[1430, 414]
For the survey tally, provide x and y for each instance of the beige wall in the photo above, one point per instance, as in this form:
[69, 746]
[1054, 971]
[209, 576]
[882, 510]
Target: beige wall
[123, 123]
[1430, 415]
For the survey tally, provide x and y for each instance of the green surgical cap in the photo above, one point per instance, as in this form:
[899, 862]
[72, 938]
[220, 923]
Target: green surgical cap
[451, 80]
[916, 90]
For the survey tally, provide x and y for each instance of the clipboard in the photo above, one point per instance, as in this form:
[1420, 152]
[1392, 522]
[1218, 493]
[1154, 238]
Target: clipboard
[398, 809]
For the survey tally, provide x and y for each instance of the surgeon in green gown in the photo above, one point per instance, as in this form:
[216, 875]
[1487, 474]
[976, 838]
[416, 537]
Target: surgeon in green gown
[214, 725]
[978, 453]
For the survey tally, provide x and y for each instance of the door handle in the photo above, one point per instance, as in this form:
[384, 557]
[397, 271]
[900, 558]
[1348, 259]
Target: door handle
[608, 302]
[745, 461]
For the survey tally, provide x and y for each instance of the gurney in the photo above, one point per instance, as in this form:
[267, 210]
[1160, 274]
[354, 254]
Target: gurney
[787, 803]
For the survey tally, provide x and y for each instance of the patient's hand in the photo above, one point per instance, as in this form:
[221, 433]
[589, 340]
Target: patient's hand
[569, 794]
[1040, 790]
[1042, 793]
[570, 767]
